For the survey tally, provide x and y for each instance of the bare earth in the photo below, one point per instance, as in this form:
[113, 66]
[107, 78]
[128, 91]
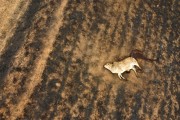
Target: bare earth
[52, 54]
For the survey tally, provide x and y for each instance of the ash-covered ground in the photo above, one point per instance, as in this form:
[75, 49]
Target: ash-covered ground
[52, 54]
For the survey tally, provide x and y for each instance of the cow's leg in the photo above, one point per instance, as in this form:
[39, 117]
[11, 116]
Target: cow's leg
[134, 70]
[120, 76]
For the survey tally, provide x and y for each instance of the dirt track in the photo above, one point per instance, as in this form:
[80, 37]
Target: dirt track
[52, 55]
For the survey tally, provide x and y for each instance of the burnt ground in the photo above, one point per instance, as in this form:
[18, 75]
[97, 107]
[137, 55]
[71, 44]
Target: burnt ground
[52, 54]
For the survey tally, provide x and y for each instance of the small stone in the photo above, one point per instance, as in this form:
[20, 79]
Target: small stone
[58, 84]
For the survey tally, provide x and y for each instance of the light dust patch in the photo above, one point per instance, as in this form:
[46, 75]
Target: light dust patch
[80, 50]
[98, 52]
[97, 55]
[133, 81]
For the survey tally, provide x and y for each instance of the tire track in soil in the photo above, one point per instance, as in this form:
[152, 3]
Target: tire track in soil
[26, 56]
[9, 69]
[64, 76]
[11, 22]
[16, 41]
[60, 54]
[35, 78]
